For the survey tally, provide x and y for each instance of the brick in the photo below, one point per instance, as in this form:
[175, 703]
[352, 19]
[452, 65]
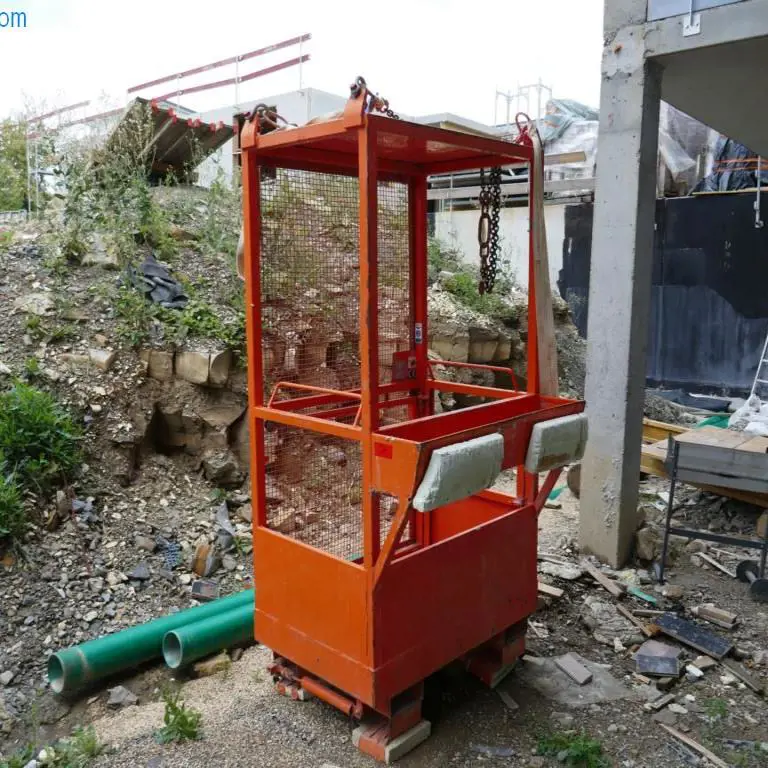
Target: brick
[574, 669]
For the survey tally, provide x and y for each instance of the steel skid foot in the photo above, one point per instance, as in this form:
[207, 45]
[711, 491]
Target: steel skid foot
[494, 660]
[389, 738]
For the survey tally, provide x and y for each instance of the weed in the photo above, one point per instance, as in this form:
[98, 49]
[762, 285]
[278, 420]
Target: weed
[34, 325]
[19, 759]
[32, 369]
[179, 722]
[716, 709]
[6, 238]
[12, 518]
[39, 442]
[136, 315]
[62, 333]
[574, 749]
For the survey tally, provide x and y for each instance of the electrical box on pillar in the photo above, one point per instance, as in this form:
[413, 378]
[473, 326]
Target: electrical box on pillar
[380, 552]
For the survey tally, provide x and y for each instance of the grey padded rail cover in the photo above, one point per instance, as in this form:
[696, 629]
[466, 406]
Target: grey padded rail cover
[556, 442]
[459, 470]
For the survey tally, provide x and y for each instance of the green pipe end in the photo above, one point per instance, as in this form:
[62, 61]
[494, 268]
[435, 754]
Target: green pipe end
[67, 670]
[173, 650]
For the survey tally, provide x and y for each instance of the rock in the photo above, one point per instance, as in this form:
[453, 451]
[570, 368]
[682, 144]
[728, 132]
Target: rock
[236, 654]
[96, 584]
[4, 369]
[91, 616]
[193, 366]
[606, 623]
[100, 256]
[537, 762]
[159, 364]
[185, 579]
[222, 416]
[563, 719]
[647, 543]
[206, 560]
[140, 573]
[219, 663]
[221, 468]
[246, 513]
[102, 358]
[145, 542]
[39, 304]
[6, 678]
[678, 709]
[74, 360]
[759, 658]
[567, 572]
[673, 591]
[666, 716]
[120, 696]
[218, 371]
[229, 563]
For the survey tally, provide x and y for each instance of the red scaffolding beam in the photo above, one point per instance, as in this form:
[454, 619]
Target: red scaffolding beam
[233, 80]
[224, 62]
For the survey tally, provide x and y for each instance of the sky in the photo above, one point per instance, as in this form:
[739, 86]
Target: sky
[425, 56]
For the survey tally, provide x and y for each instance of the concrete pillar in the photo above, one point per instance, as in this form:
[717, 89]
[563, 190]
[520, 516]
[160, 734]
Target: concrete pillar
[619, 291]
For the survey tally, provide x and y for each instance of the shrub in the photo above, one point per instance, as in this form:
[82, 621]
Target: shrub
[39, 442]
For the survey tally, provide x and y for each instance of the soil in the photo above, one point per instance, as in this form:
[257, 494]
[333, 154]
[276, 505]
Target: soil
[73, 582]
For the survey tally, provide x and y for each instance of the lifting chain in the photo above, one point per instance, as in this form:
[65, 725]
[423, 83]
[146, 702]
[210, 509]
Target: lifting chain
[488, 228]
[375, 103]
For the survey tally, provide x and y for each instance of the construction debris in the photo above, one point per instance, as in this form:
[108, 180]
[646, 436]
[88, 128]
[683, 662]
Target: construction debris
[576, 671]
[614, 587]
[715, 615]
[694, 636]
[657, 659]
[703, 751]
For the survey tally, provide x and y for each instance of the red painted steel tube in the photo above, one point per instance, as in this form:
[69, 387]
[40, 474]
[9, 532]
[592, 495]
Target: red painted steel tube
[478, 366]
[232, 80]
[223, 62]
[349, 707]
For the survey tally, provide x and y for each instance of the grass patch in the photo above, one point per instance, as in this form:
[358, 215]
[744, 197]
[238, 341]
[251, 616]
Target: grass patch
[78, 751]
[575, 749]
[180, 723]
[12, 517]
[39, 442]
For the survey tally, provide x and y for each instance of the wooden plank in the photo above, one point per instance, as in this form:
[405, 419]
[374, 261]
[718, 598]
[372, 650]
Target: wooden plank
[627, 614]
[748, 680]
[714, 615]
[715, 564]
[546, 343]
[661, 702]
[616, 589]
[694, 745]
[549, 590]
[574, 668]
[660, 430]
[652, 463]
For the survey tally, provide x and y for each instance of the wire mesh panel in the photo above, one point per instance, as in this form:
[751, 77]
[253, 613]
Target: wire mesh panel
[310, 300]
[314, 489]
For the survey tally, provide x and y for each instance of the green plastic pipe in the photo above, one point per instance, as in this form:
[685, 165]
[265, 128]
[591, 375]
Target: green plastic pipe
[75, 668]
[191, 642]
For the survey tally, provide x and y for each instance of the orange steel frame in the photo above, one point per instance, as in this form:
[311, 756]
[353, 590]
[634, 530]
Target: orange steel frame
[364, 634]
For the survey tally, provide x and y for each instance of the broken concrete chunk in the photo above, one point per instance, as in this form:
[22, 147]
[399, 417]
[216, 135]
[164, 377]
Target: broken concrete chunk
[193, 366]
[575, 670]
[120, 696]
[221, 468]
[566, 572]
[606, 623]
[219, 366]
[140, 573]
[159, 364]
[102, 358]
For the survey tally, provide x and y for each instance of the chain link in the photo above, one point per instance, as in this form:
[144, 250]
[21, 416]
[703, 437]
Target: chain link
[488, 228]
[375, 102]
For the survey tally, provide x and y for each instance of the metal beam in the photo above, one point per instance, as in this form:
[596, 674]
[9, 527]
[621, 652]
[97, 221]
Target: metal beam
[513, 189]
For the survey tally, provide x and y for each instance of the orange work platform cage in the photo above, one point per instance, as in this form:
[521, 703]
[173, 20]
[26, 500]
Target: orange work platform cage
[361, 595]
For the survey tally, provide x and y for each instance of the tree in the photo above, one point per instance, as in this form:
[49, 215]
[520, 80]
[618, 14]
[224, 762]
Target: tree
[13, 165]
